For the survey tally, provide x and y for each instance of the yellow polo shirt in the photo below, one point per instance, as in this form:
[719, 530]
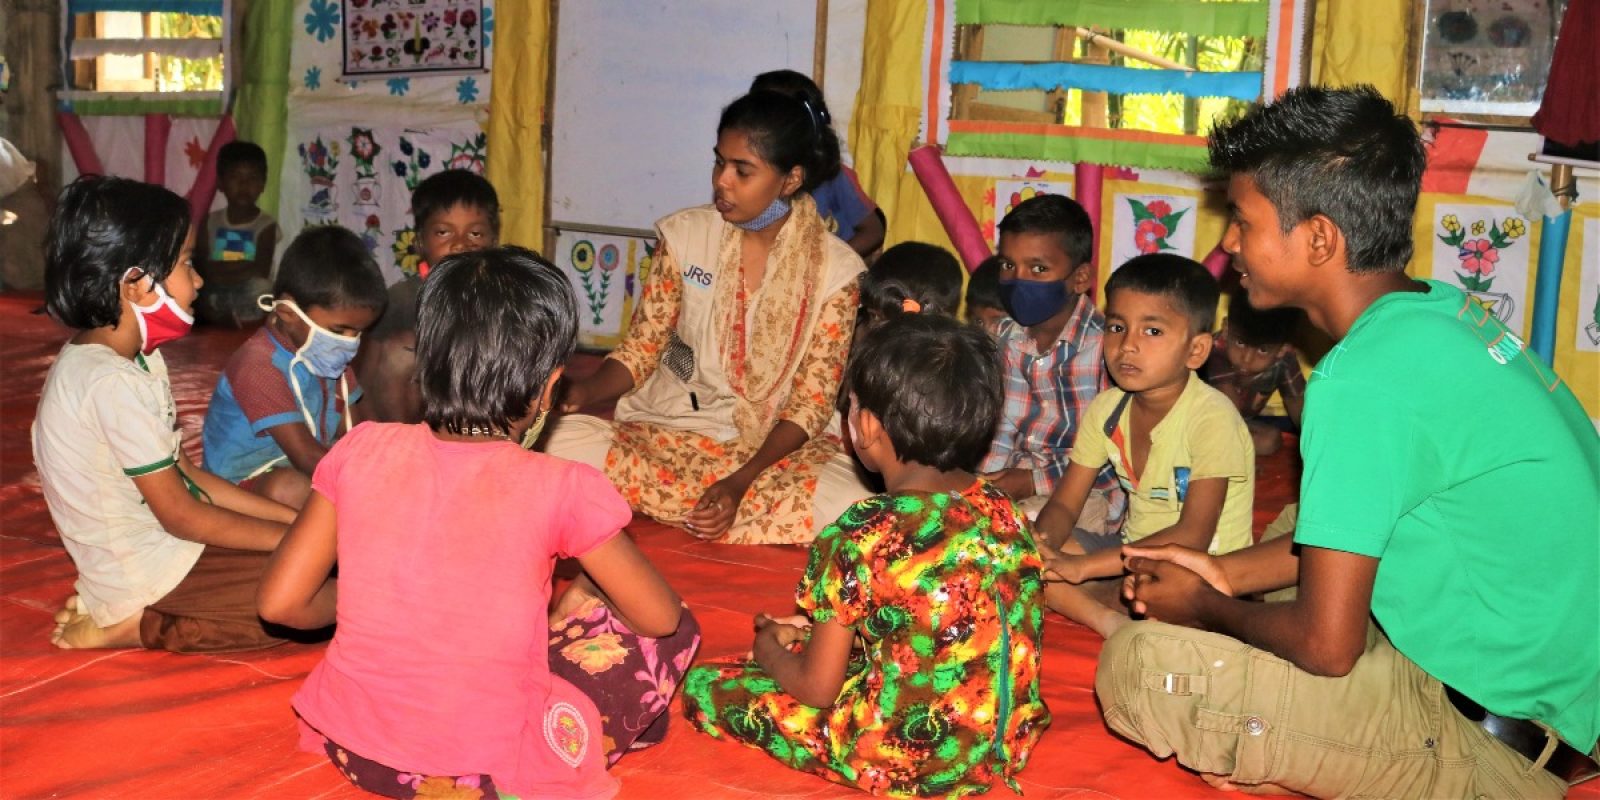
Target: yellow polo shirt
[1203, 436]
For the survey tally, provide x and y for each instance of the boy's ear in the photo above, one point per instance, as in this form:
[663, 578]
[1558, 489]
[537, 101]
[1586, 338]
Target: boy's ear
[869, 429]
[1199, 350]
[1079, 278]
[1325, 243]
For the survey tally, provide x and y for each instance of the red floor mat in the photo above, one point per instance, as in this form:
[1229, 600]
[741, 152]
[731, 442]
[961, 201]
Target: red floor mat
[152, 725]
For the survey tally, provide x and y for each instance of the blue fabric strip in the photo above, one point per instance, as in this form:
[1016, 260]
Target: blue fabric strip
[209, 7]
[1005, 76]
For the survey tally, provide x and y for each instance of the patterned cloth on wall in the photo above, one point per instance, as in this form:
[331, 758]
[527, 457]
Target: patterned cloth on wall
[356, 148]
[412, 37]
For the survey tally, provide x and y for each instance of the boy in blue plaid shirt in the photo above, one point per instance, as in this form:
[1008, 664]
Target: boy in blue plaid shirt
[1050, 352]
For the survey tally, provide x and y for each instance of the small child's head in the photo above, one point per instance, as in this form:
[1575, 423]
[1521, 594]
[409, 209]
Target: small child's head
[1159, 312]
[1319, 176]
[242, 173]
[1046, 248]
[112, 244]
[327, 283]
[494, 328]
[984, 308]
[911, 277]
[455, 211]
[770, 145]
[924, 389]
[1257, 337]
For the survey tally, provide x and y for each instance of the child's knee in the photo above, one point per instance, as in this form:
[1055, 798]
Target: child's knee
[285, 485]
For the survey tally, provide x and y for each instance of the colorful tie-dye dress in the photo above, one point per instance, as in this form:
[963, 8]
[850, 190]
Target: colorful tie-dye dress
[944, 590]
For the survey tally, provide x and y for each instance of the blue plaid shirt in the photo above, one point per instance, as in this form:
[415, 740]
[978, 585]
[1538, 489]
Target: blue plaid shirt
[1046, 394]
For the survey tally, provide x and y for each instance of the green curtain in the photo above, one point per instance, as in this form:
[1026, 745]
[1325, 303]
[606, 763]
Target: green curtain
[261, 84]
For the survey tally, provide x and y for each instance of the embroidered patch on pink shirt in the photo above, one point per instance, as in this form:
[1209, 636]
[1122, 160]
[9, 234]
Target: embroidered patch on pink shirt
[566, 733]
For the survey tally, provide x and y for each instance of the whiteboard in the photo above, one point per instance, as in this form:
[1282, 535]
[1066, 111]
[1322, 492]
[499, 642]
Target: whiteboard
[638, 88]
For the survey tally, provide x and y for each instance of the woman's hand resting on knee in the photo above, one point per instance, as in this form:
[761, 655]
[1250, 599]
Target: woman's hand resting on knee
[716, 510]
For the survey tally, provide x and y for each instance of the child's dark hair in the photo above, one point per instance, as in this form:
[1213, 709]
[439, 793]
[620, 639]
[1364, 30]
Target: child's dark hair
[983, 285]
[786, 133]
[1343, 153]
[329, 267]
[1260, 327]
[103, 226]
[1057, 214]
[241, 154]
[445, 190]
[492, 327]
[935, 385]
[1182, 280]
[912, 273]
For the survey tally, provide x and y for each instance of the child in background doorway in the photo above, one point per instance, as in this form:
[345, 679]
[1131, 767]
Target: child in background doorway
[984, 308]
[1050, 354]
[237, 243]
[1178, 446]
[938, 577]
[168, 555]
[455, 211]
[847, 210]
[286, 394]
[1251, 360]
[451, 573]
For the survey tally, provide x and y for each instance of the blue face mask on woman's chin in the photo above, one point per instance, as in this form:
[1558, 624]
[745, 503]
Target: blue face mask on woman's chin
[1033, 302]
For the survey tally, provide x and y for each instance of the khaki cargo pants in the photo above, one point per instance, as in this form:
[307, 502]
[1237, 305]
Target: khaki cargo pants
[1384, 730]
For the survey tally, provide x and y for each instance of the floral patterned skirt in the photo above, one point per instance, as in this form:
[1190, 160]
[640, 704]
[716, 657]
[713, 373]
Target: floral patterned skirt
[662, 472]
[630, 678]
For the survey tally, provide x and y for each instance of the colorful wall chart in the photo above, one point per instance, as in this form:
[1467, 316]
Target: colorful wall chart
[1485, 250]
[606, 272]
[1587, 338]
[1151, 223]
[412, 37]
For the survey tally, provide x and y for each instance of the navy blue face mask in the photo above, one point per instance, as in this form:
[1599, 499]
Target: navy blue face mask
[1033, 302]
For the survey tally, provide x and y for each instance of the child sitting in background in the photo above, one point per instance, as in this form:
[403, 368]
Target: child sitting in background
[1050, 353]
[168, 555]
[1252, 359]
[451, 573]
[286, 393]
[938, 578]
[848, 211]
[455, 211]
[911, 278]
[984, 308]
[237, 242]
[1178, 446]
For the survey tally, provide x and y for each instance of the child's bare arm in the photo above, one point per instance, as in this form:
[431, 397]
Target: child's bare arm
[1294, 405]
[266, 245]
[637, 593]
[296, 442]
[1061, 512]
[1194, 529]
[295, 589]
[232, 498]
[187, 517]
[816, 673]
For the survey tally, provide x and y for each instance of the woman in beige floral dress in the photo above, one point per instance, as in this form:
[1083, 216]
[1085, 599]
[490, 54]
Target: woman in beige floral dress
[730, 368]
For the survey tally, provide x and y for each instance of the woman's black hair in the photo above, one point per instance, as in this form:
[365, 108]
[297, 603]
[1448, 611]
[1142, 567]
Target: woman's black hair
[935, 385]
[329, 266]
[923, 273]
[102, 227]
[492, 327]
[797, 85]
[786, 132]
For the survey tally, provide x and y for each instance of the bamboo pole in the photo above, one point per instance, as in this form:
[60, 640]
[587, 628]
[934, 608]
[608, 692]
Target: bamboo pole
[1099, 39]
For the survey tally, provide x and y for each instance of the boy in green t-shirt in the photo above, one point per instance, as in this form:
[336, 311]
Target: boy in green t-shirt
[1450, 492]
[1180, 450]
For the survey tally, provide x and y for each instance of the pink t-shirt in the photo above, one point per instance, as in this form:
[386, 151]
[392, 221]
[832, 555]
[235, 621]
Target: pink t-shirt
[440, 663]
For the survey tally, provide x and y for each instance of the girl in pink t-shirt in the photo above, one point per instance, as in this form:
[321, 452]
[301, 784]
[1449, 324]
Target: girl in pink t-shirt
[445, 670]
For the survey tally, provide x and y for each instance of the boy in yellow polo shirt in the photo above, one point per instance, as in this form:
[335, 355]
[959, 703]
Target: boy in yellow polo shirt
[1180, 450]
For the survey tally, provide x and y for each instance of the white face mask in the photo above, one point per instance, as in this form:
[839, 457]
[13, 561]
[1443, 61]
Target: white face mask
[324, 354]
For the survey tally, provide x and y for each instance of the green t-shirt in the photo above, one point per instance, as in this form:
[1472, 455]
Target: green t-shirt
[1435, 443]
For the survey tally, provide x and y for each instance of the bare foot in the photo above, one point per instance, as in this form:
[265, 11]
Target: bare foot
[77, 630]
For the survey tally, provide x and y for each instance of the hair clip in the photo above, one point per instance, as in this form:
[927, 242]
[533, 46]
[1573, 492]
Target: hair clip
[910, 306]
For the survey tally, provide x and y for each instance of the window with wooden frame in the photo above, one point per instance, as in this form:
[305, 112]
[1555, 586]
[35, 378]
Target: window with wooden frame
[127, 56]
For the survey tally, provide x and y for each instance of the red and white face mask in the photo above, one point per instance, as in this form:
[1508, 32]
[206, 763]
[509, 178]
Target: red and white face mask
[162, 322]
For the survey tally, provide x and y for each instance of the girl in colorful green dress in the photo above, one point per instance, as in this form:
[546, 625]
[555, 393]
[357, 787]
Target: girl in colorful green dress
[914, 667]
